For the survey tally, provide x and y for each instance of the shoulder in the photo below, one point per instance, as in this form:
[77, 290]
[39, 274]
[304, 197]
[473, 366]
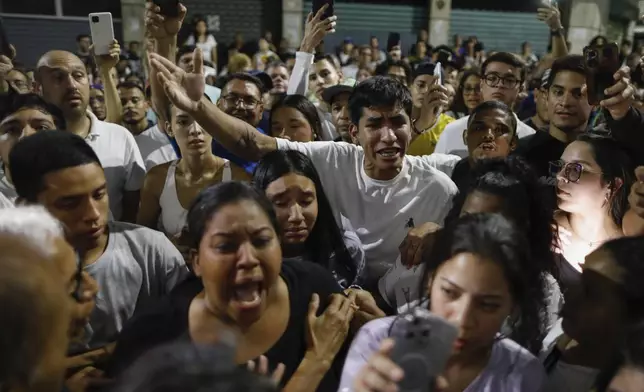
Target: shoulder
[159, 171]
[456, 127]
[307, 274]
[114, 131]
[517, 365]
[238, 173]
[140, 237]
[435, 168]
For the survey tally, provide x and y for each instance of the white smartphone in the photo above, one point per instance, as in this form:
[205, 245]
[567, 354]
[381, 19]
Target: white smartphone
[438, 73]
[102, 28]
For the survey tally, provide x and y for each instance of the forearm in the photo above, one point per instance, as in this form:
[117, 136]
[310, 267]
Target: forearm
[237, 136]
[167, 49]
[299, 81]
[559, 47]
[113, 106]
[308, 375]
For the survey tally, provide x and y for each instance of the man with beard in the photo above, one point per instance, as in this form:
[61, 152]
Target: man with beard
[61, 79]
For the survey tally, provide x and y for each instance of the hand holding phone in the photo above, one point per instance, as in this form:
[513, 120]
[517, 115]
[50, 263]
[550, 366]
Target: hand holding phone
[601, 63]
[169, 8]
[438, 73]
[102, 28]
[318, 4]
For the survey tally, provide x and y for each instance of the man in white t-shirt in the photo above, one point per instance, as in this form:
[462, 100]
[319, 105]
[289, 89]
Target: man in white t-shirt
[62, 80]
[501, 80]
[382, 191]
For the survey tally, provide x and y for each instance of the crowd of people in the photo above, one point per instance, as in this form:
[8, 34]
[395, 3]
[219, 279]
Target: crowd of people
[170, 223]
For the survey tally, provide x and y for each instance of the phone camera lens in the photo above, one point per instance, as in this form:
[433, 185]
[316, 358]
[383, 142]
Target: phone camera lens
[94, 19]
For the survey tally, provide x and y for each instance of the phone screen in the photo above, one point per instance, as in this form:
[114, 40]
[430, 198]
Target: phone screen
[317, 4]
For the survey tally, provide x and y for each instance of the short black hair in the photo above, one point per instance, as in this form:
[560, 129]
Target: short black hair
[35, 156]
[129, 85]
[79, 37]
[494, 105]
[378, 91]
[505, 58]
[571, 63]
[185, 49]
[383, 69]
[275, 64]
[322, 57]
[246, 78]
[13, 102]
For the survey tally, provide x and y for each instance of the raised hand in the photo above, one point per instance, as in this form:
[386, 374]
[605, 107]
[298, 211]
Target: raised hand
[367, 308]
[316, 29]
[108, 61]
[551, 16]
[621, 95]
[159, 26]
[183, 89]
[327, 333]
[260, 366]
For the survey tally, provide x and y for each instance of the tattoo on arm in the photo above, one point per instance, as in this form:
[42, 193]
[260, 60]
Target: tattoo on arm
[248, 144]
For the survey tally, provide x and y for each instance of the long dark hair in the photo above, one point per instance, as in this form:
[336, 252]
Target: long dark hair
[459, 102]
[495, 238]
[325, 245]
[304, 106]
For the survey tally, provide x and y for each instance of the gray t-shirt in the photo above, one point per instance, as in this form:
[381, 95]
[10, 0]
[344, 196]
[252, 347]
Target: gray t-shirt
[138, 267]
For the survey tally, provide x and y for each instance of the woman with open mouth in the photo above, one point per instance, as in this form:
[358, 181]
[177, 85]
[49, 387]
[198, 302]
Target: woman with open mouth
[242, 284]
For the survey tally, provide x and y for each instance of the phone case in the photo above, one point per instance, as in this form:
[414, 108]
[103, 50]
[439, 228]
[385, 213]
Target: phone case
[102, 28]
[423, 345]
[317, 4]
[601, 63]
[168, 7]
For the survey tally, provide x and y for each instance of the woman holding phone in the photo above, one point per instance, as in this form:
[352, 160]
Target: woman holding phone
[476, 279]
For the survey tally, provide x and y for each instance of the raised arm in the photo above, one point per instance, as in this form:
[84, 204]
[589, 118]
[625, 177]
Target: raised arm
[186, 91]
[105, 63]
[314, 33]
[552, 17]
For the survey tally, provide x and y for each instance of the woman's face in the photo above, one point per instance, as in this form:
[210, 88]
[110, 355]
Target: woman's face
[472, 92]
[595, 309]
[627, 379]
[201, 27]
[190, 136]
[296, 204]
[590, 193]
[239, 260]
[290, 124]
[472, 293]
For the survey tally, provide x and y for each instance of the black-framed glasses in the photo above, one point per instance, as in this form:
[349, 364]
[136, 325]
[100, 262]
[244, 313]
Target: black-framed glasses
[571, 171]
[233, 100]
[493, 80]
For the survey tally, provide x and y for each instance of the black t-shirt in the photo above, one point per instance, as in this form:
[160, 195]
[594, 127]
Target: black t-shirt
[169, 322]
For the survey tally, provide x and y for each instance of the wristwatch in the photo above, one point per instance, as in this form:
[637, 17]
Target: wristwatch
[560, 32]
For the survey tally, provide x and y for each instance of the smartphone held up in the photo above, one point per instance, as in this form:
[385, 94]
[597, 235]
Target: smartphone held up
[169, 8]
[318, 4]
[102, 29]
[601, 63]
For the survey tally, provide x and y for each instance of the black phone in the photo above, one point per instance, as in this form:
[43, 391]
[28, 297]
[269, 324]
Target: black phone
[601, 63]
[5, 47]
[169, 8]
[317, 4]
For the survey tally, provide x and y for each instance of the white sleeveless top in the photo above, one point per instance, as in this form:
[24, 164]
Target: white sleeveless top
[173, 215]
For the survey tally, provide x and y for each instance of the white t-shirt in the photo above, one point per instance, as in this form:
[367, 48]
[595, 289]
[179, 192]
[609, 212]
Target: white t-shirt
[451, 140]
[120, 158]
[206, 47]
[4, 202]
[6, 188]
[381, 211]
[155, 147]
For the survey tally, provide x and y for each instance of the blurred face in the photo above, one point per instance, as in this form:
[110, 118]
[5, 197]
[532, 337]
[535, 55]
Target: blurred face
[365, 56]
[185, 62]
[472, 293]
[589, 193]
[472, 92]
[374, 42]
[280, 76]
[396, 53]
[290, 124]
[384, 133]
[134, 47]
[190, 136]
[24, 122]
[541, 99]
[363, 74]
[628, 379]
[451, 93]
[348, 47]
[323, 75]
[263, 45]
[84, 44]
[65, 84]
[239, 260]
[421, 49]
[340, 115]
[77, 196]
[490, 135]
[501, 82]
[82, 297]
[420, 89]
[568, 109]
[243, 100]
[478, 202]
[398, 73]
[295, 201]
[201, 27]
[97, 103]
[596, 309]
[18, 81]
[135, 106]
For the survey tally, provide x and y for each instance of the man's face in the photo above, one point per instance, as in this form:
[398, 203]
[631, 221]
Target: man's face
[135, 107]
[243, 100]
[503, 83]
[568, 109]
[419, 90]
[77, 197]
[97, 103]
[396, 53]
[84, 44]
[18, 81]
[490, 135]
[374, 42]
[340, 116]
[365, 56]
[134, 47]
[384, 133]
[24, 122]
[323, 75]
[186, 63]
[280, 76]
[64, 83]
[398, 73]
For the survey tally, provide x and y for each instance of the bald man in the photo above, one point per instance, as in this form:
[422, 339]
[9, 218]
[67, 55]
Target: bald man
[35, 320]
[62, 80]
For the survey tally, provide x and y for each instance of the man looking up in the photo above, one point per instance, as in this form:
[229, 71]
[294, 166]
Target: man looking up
[501, 80]
[62, 80]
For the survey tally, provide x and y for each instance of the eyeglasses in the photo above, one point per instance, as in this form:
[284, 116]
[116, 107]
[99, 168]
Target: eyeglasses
[493, 80]
[572, 171]
[233, 100]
